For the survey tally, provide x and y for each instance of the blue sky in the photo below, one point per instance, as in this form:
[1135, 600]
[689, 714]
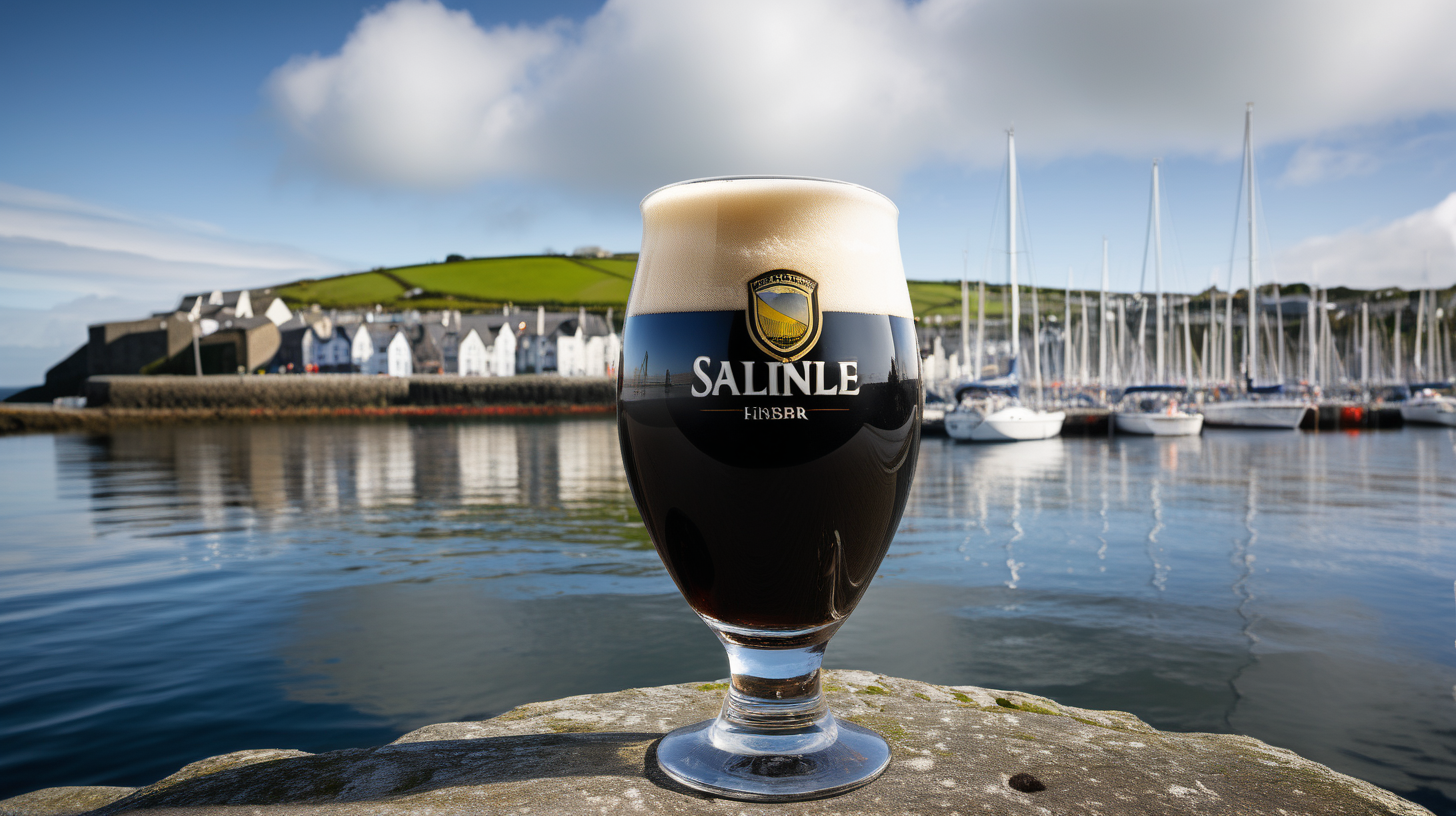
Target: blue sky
[150, 149]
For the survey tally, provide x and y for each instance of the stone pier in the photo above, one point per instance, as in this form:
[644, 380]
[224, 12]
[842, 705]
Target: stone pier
[957, 750]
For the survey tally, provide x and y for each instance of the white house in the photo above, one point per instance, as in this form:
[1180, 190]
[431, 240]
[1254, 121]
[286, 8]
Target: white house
[571, 354]
[381, 348]
[503, 352]
[361, 348]
[276, 310]
[473, 356]
[398, 359]
[602, 353]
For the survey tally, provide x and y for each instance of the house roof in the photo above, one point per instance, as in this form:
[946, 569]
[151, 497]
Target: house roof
[555, 323]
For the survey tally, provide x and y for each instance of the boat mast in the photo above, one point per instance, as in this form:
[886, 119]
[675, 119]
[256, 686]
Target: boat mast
[1365, 344]
[1161, 370]
[1251, 362]
[1210, 335]
[1102, 318]
[1036, 339]
[1310, 318]
[965, 309]
[1395, 351]
[1187, 344]
[1228, 330]
[1067, 330]
[1433, 355]
[1279, 360]
[1011, 245]
[980, 329]
[1085, 340]
[1417, 370]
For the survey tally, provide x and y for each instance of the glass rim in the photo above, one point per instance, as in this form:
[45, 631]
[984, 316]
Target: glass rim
[768, 177]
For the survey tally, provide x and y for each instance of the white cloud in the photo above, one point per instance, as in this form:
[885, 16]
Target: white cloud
[33, 340]
[90, 264]
[59, 245]
[648, 91]
[64, 325]
[1417, 251]
[1312, 163]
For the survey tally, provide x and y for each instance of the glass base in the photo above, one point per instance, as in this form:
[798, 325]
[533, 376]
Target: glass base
[826, 759]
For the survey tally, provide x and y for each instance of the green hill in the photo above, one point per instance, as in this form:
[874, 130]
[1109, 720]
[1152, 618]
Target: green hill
[554, 281]
[479, 284]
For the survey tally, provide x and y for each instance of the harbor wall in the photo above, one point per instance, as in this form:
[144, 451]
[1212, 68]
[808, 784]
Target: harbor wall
[281, 392]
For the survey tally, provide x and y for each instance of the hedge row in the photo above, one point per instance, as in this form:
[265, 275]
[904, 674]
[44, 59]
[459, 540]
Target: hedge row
[343, 391]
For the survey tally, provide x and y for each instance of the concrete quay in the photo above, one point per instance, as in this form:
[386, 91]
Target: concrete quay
[956, 750]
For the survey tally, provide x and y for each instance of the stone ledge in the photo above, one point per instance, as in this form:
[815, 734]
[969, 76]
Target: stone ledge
[957, 749]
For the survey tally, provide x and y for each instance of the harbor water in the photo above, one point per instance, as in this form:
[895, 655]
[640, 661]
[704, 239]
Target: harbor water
[171, 593]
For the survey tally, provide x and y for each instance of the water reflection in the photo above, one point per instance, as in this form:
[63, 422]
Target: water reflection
[338, 583]
[275, 469]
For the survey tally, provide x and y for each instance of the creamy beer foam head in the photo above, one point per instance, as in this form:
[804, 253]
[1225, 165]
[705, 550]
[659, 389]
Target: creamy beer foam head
[703, 241]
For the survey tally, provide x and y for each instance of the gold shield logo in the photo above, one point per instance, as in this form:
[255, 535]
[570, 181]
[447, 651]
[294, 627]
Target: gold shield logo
[783, 313]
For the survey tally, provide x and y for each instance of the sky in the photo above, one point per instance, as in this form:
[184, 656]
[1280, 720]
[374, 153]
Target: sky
[150, 149]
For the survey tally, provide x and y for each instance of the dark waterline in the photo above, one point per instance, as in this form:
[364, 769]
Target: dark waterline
[168, 594]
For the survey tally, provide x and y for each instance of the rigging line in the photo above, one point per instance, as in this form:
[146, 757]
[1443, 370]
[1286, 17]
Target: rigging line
[990, 235]
[1025, 233]
[1178, 270]
[1267, 258]
[1234, 240]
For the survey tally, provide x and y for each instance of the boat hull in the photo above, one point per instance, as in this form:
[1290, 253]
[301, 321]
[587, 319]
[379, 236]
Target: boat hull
[1431, 412]
[1281, 414]
[1146, 424]
[1015, 424]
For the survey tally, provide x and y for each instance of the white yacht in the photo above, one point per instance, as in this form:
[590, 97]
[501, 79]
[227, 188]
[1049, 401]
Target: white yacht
[1259, 407]
[987, 412]
[1157, 410]
[1430, 404]
[1265, 407]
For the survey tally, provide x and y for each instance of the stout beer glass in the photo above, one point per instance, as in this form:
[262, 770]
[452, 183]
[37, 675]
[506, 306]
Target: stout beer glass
[768, 408]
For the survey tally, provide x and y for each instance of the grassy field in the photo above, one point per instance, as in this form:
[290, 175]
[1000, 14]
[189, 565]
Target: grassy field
[344, 292]
[479, 284]
[485, 284]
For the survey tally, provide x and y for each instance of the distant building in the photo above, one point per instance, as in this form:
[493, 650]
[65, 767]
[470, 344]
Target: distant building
[474, 356]
[240, 344]
[380, 348]
[240, 303]
[127, 346]
[311, 342]
[425, 354]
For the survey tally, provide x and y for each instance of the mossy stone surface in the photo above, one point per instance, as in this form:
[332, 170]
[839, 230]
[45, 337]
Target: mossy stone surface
[957, 749]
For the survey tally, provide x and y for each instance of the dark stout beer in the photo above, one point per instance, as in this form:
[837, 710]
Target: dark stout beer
[769, 511]
[769, 396]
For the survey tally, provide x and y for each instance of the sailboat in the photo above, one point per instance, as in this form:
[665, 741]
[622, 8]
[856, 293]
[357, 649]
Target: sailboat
[1432, 403]
[991, 410]
[1259, 407]
[1159, 409]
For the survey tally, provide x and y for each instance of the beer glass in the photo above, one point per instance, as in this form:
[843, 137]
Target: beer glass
[768, 409]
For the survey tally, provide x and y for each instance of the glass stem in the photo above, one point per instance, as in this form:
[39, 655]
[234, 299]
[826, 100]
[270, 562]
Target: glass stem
[775, 691]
